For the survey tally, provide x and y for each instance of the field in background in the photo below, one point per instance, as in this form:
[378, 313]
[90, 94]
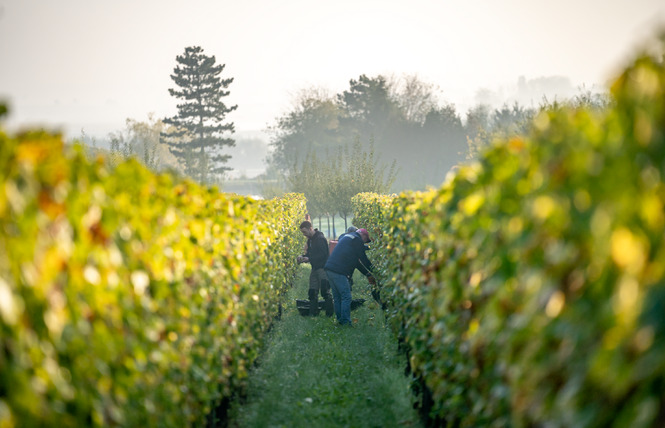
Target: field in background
[339, 226]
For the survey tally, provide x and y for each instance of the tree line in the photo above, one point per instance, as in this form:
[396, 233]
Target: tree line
[405, 120]
[329, 183]
[193, 142]
[408, 136]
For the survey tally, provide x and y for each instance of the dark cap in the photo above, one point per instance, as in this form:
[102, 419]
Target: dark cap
[364, 232]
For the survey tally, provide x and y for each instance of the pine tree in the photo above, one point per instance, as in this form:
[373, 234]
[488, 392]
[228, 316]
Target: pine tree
[196, 136]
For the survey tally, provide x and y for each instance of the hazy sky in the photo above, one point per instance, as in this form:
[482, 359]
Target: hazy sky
[73, 64]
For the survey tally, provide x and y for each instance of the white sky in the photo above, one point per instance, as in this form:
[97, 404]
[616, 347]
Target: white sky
[72, 64]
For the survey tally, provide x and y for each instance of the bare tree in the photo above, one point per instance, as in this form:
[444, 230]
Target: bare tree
[415, 97]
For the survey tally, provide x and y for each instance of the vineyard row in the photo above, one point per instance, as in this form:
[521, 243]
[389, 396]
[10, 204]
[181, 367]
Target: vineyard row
[530, 288]
[129, 298]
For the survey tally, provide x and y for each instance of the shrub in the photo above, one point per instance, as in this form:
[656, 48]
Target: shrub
[530, 288]
[126, 297]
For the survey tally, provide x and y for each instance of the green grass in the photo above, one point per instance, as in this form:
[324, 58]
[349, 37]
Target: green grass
[314, 373]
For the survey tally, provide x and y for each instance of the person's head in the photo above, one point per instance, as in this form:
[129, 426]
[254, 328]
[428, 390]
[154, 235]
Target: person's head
[351, 229]
[364, 234]
[307, 229]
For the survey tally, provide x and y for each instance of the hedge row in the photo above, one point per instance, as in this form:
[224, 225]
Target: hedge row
[530, 288]
[129, 298]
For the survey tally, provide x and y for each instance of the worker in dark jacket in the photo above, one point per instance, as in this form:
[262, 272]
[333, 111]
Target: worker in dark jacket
[348, 255]
[349, 230]
[316, 254]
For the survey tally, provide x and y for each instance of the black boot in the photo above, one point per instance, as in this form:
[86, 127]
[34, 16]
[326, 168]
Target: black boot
[313, 303]
[330, 307]
[328, 300]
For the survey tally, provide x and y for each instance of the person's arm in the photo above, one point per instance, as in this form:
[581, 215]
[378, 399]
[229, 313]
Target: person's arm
[364, 265]
[304, 258]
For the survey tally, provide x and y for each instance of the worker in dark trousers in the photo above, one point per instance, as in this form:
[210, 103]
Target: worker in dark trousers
[316, 254]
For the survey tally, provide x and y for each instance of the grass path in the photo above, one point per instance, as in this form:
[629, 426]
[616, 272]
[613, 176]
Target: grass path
[314, 373]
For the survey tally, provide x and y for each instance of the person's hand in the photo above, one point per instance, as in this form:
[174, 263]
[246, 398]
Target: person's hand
[371, 280]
